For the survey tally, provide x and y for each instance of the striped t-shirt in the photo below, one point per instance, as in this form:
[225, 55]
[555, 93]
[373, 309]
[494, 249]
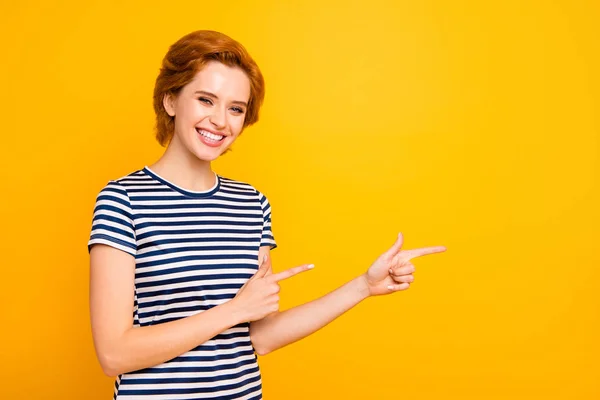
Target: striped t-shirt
[193, 251]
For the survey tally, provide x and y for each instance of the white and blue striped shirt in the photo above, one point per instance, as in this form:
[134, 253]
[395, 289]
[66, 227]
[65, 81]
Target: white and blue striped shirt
[193, 251]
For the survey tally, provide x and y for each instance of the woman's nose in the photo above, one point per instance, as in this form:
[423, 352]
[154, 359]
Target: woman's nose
[217, 118]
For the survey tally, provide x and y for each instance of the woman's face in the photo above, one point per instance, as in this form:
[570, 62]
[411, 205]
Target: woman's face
[210, 110]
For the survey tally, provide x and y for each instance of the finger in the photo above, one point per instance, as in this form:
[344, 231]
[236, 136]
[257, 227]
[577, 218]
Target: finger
[405, 269]
[398, 287]
[264, 259]
[409, 254]
[267, 260]
[288, 273]
[404, 279]
[262, 270]
[396, 246]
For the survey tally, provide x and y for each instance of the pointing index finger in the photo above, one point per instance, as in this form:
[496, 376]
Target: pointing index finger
[288, 273]
[410, 254]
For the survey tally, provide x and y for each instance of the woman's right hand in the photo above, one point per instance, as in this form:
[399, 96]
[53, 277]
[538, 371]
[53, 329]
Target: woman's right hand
[259, 296]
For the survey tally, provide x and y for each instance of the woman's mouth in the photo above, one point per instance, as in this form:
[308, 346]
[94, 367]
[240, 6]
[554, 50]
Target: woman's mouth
[209, 138]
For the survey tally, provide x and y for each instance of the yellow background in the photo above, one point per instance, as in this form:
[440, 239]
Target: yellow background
[473, 125]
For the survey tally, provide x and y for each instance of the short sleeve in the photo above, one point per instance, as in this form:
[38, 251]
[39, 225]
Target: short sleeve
[112, 223]
[267, 232]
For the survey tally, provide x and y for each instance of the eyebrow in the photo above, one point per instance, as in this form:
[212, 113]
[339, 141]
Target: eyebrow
[214, 96]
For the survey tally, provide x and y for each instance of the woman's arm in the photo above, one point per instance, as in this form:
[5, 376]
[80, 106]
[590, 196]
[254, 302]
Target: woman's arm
[391, 272]
[280, 329]
[123, 348]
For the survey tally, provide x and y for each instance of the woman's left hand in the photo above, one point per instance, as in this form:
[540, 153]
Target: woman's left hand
[393, 271]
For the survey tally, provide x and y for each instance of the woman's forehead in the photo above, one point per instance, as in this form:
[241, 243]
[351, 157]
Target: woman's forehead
[221, 79]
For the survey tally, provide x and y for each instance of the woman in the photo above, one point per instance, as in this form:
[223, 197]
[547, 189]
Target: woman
[179, 302]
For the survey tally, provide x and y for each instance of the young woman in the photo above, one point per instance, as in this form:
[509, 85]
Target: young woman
[182, 294]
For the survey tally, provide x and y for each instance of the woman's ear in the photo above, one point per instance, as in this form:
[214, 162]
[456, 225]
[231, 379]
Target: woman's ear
[168, 104]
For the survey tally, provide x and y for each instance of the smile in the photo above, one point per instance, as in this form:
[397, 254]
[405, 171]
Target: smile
[210, 139]
[209, 135]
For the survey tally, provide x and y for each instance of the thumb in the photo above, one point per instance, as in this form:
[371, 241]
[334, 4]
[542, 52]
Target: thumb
[263, 269]
[396, 246]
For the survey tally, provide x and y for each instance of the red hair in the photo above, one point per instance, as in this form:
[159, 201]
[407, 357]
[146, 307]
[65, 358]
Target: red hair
[186, 57]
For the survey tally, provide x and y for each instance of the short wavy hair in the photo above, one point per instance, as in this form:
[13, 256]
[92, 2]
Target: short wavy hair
[186, 58]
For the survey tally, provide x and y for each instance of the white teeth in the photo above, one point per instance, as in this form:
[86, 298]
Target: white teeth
[210, 135]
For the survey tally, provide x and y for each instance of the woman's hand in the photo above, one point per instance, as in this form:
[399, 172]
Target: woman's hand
[259, 296]
[393, 271]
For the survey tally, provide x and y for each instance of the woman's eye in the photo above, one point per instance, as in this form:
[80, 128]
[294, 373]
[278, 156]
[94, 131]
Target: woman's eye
[237, 110]
[205, 100]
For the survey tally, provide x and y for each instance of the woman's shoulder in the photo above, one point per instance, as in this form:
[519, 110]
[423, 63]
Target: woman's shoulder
[123, 182]
[237, 185]
[131, 178]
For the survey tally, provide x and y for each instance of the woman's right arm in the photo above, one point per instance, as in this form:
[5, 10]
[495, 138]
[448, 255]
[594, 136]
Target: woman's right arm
[120, 347]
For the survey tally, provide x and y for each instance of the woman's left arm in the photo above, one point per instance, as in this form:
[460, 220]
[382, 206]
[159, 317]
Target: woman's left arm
[391, 272]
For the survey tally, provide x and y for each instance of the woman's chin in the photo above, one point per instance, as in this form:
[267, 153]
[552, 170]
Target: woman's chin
[210, 154]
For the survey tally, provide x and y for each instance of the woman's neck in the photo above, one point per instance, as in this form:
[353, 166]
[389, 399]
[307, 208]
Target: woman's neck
[184, 169]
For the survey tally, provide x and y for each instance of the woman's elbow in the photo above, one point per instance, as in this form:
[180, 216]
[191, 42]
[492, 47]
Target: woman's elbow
[261, 350]
[109, 371]
[111, 364]
[262, 342]
[260, 347]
